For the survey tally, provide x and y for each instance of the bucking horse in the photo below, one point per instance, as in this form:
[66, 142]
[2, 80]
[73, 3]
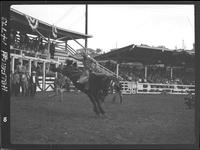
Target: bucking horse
[98, 85]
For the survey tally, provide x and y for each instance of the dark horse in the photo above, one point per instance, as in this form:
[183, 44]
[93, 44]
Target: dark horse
[98, 85]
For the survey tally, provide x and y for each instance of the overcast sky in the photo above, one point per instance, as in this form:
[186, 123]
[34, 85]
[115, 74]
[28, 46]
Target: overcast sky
[121, 25]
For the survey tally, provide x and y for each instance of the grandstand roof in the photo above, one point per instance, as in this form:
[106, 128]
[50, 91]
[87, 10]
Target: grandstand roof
[19, 22]
[149, 56]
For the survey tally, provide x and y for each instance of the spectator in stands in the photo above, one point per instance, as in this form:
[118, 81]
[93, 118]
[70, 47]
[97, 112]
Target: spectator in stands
[45, 51]
[31, 44]
[33, 66]
[36, 44]
[75, 64]
[19, 67]
[41, 47]
[44, 47]
[36, 67]
[26, 42]
[17, 40]
[13, 37]
[52, 50]
[22, 41]
[61, 66]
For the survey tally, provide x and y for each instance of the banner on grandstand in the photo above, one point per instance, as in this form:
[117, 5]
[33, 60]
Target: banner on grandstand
[54, 31]
[33, 23]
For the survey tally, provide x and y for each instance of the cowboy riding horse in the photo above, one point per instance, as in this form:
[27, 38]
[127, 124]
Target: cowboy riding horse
[98, 84]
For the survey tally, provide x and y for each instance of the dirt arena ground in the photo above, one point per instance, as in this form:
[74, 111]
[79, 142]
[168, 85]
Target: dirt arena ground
[142, 119]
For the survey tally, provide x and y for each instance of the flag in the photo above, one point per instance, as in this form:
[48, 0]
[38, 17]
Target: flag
[54, 31]
[33, 23]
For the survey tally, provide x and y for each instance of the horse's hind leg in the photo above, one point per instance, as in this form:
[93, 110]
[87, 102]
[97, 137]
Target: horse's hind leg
[95, 109]
[99, 106]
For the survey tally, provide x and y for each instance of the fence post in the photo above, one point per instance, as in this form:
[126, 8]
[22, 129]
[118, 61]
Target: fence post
[13, 64]
[29, 67]
[117, 70]
[171, 72]
[21, 59]
[145, 72]
[43, 76]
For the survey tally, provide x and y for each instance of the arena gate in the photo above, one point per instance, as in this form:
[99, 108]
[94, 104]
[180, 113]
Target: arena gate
[49, 84]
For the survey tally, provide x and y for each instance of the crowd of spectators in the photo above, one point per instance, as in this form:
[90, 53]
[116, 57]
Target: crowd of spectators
[159, 75]
[31, 44]
[155, 74]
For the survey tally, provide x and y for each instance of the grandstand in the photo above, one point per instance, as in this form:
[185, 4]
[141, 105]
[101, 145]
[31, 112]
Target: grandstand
[144, 67]
[36, 42]
[149, 55]
[62, 49]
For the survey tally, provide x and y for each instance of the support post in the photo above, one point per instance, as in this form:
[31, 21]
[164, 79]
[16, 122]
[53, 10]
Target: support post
[145, 72]
[86, 25]
[57, 66]
[48, 53]
[171, 73]
[13, 64]
[43, 76]
[35, 63]
[66, 49]
[117, 70]
[29, 66]
[48, 48]
[21, 59]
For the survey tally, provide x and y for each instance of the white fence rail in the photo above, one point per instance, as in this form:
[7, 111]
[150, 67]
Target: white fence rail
[133, 87]
[154, 88]
[49, 84]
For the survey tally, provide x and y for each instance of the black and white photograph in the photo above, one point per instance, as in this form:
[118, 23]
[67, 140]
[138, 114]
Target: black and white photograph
[102, 74]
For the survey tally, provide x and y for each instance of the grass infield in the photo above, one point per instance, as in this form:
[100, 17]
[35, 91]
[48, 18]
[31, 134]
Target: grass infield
[141, 119]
